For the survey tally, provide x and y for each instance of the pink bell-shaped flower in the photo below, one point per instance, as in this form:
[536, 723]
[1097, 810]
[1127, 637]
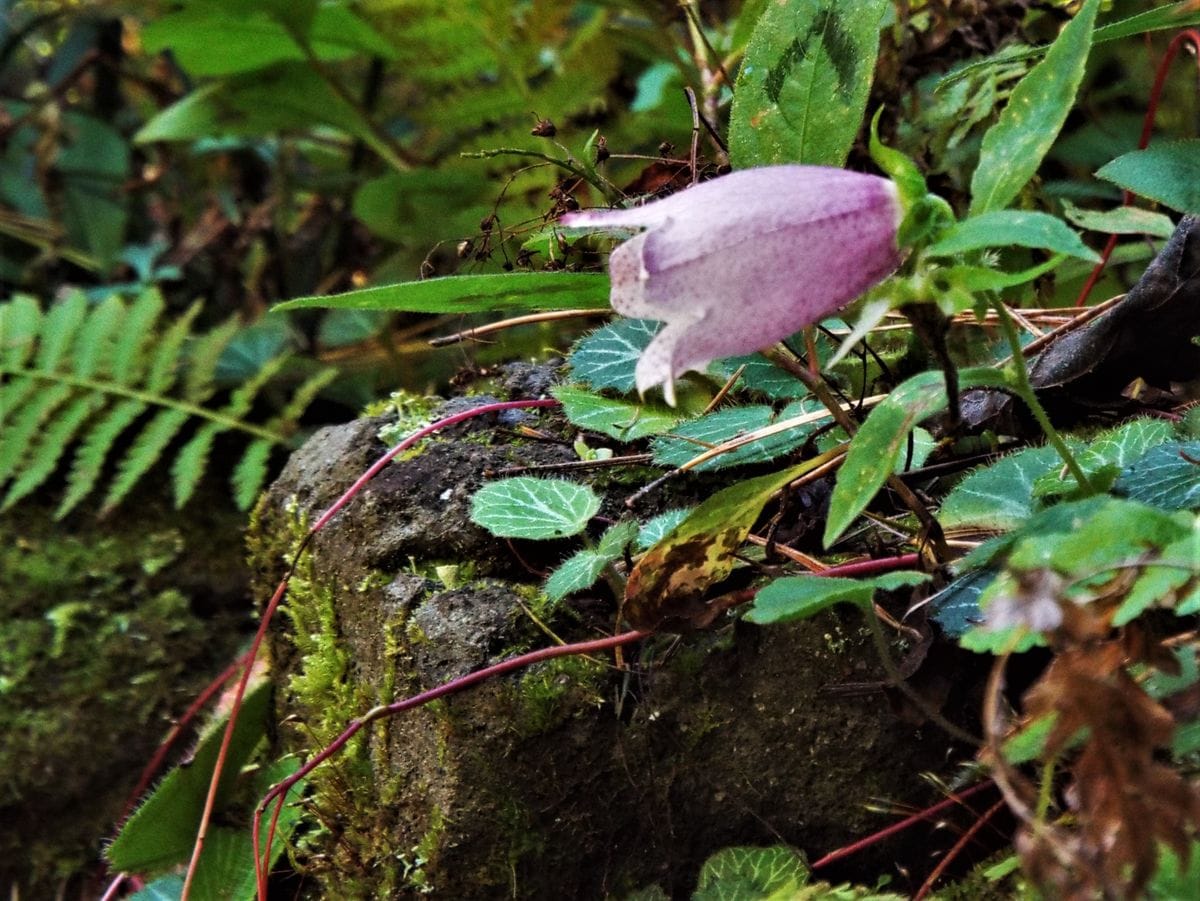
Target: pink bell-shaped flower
[736, 264]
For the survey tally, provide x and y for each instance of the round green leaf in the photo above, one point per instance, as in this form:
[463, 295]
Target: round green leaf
[526, 507]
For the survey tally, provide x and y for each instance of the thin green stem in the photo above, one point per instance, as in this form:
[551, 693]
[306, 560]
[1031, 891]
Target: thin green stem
[1044, 790]
[1024, 389]
[149, 398]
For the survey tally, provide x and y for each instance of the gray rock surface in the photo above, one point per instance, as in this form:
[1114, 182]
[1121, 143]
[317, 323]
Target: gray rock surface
[572, 779]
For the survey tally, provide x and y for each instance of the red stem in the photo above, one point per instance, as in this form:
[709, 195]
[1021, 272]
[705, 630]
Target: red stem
[871, 567]
[447, 688]
[876, 837]
[281, 590]
[1160, 77]
[177, 730]
[952, 854]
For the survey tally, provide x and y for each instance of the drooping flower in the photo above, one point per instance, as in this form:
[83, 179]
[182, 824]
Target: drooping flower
[735, 264]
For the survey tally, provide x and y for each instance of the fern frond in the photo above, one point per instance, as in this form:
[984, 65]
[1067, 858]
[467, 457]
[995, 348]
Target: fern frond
[203, 354]
[44, 455]
[95, 340]
[20, 322]
[19, 434]
[93, 451]
[305, 395]
[128, 358]
[108, 386]
[60, 327]
[191, 462]
[165, 363]
[142, 454]
[250, 473]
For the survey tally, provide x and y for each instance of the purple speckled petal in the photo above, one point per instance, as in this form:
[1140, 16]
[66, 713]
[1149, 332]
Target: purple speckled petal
[735, 264]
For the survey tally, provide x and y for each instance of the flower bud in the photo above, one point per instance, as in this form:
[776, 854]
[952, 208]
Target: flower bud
[736, 264]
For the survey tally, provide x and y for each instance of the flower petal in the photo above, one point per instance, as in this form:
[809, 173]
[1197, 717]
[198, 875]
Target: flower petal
[735, 264]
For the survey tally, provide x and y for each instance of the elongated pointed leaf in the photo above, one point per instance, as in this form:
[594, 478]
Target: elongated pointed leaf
[473, 294]
[1013, 148]
[876, 448]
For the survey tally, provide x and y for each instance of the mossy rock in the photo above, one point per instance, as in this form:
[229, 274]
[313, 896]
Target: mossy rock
[570, 779]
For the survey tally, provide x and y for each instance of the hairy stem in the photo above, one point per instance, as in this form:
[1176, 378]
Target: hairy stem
[1024, 390]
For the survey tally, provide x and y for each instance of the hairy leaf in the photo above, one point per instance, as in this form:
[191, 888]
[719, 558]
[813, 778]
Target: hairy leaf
[1003, 228]
[624, 420]
[527, 507]
[608, 356]
[802, 89]
[876, 448]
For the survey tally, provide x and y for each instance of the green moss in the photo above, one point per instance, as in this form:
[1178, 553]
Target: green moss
[552, 691]
[413, 871]
[98, 650]
[411, 412]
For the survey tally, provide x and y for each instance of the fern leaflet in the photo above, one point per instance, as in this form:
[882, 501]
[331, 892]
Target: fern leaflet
[113, 387]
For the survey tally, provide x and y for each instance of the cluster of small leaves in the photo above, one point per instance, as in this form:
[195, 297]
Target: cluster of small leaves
[115, 386]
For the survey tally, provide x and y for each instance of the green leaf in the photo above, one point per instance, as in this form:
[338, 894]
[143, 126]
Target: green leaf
[580, 571]
[226, 871]
[1174, 15]
[20, 324]
[250, 473]
[657, 528]
[1167, 476]
[526, 507]
[694, 437]
[94, 165]
[1168, 172]
[1114, 532]
[876, 448]
[472, 294]
[162, 830]
[624, 420]
[670, 579]
[286, 97]
[1004, 228]
[747, 874]
[761, 376]
[208, 40]
[956, 607]
[802, 89]
[606, 358]
[1108, 454]
[1154, 587]
[94, 450]
[1013, 148]
[191, 461]
[998, 496]
[51, 445]
[799, 597]
[614, 541]
[1122, 220]
[145, 452]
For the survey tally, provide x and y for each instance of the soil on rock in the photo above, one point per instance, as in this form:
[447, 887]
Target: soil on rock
[571, 779]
